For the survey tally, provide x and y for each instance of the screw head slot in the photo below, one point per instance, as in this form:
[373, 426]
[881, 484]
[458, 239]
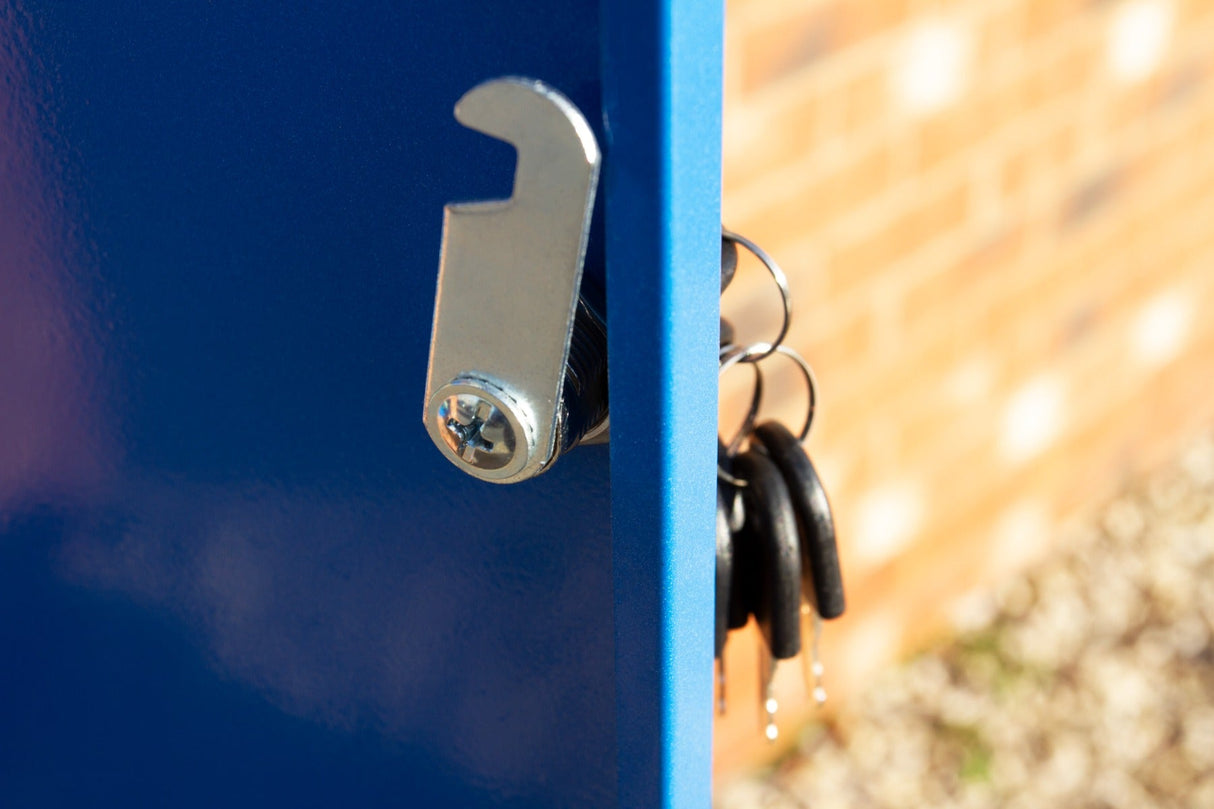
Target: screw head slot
[477, 431]
[482, 429]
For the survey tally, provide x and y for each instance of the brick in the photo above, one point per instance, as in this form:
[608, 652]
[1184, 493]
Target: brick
[747, 15]
[844, 344]
[1000, 36]
[1131, 105]
[1029, 316]
[959, 283]
[865, 101]
[1016, 173]
[1074, 323]
[1092, 196]
[792, 37]
[999, 99]
[852, 185]
[929, 421]
[1184, 84]
[931, 215]
[785, 46]
[939, 432]
[1184, 78]
[1115, 430]
[800, 203]
[1065, 73]
[1042, 18]
[1189, 13]
[893, 385]
[861, 22]
[771, 140]
[733, 59]
[949, 134]
[1042, 161]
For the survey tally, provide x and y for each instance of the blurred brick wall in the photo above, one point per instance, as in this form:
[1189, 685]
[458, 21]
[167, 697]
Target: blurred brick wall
[998, 221]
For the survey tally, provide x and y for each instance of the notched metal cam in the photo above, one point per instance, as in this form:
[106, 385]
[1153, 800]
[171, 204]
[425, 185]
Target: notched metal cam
[508, 285]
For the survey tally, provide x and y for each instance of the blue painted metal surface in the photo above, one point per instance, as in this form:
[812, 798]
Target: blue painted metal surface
[662, 96]
[233, 570]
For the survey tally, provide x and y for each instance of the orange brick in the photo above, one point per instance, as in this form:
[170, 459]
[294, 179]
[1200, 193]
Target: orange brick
[1028, 313]
[921, 219]
[849, 186]
[865, 102]
[1058, 152]
[895, 383]
[1043, 18]
[787, 45]
[1090, 306]
[783, 135]
[1111, 431]
[1191, 13]
[809, 202]
[1167, 187]
[954, 286]
[1184, 79]
[1130, 106]
[1068, 72]
[999, 36]
[1093, 196]
[1016, 173]
[800, 35]
[858, 22]
[1184, 84]
[847, 341]
[1000, 99]
[949, 134]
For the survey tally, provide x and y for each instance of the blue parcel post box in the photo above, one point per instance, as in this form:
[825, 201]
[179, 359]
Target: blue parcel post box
[234, 571]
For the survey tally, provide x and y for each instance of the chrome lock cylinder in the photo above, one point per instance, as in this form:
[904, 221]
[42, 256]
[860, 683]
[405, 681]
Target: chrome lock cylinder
[518, 373]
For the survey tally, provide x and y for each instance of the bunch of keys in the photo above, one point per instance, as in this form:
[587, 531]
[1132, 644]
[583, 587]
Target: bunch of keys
[777, 558]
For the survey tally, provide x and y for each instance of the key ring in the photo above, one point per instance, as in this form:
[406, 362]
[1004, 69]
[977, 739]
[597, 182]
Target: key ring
[731, 449]
[752, 354]
[778, 276]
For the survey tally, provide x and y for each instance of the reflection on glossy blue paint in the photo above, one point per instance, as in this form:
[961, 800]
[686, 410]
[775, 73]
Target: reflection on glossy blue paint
[232, 568]
[48, 429]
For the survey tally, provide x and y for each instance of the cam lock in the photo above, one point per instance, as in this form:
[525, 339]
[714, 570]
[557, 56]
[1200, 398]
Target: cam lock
[518, 371]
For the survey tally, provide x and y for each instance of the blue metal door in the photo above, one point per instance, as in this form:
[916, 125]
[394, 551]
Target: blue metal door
[233, 569]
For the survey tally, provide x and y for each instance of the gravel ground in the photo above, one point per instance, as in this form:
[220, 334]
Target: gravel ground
[1087, 683]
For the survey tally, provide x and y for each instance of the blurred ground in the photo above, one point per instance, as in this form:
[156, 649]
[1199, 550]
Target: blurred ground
[1087, 683]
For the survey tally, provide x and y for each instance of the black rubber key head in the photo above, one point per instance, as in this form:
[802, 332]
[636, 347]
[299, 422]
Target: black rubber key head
[820, 571]
[743, 583]
[771, 530]
[741, 580]
[724, 574]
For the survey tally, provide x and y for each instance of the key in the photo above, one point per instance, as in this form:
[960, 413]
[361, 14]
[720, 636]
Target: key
[724, 581]
[769, 529]
[724, 574]
[821, 574]
[738, 608]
